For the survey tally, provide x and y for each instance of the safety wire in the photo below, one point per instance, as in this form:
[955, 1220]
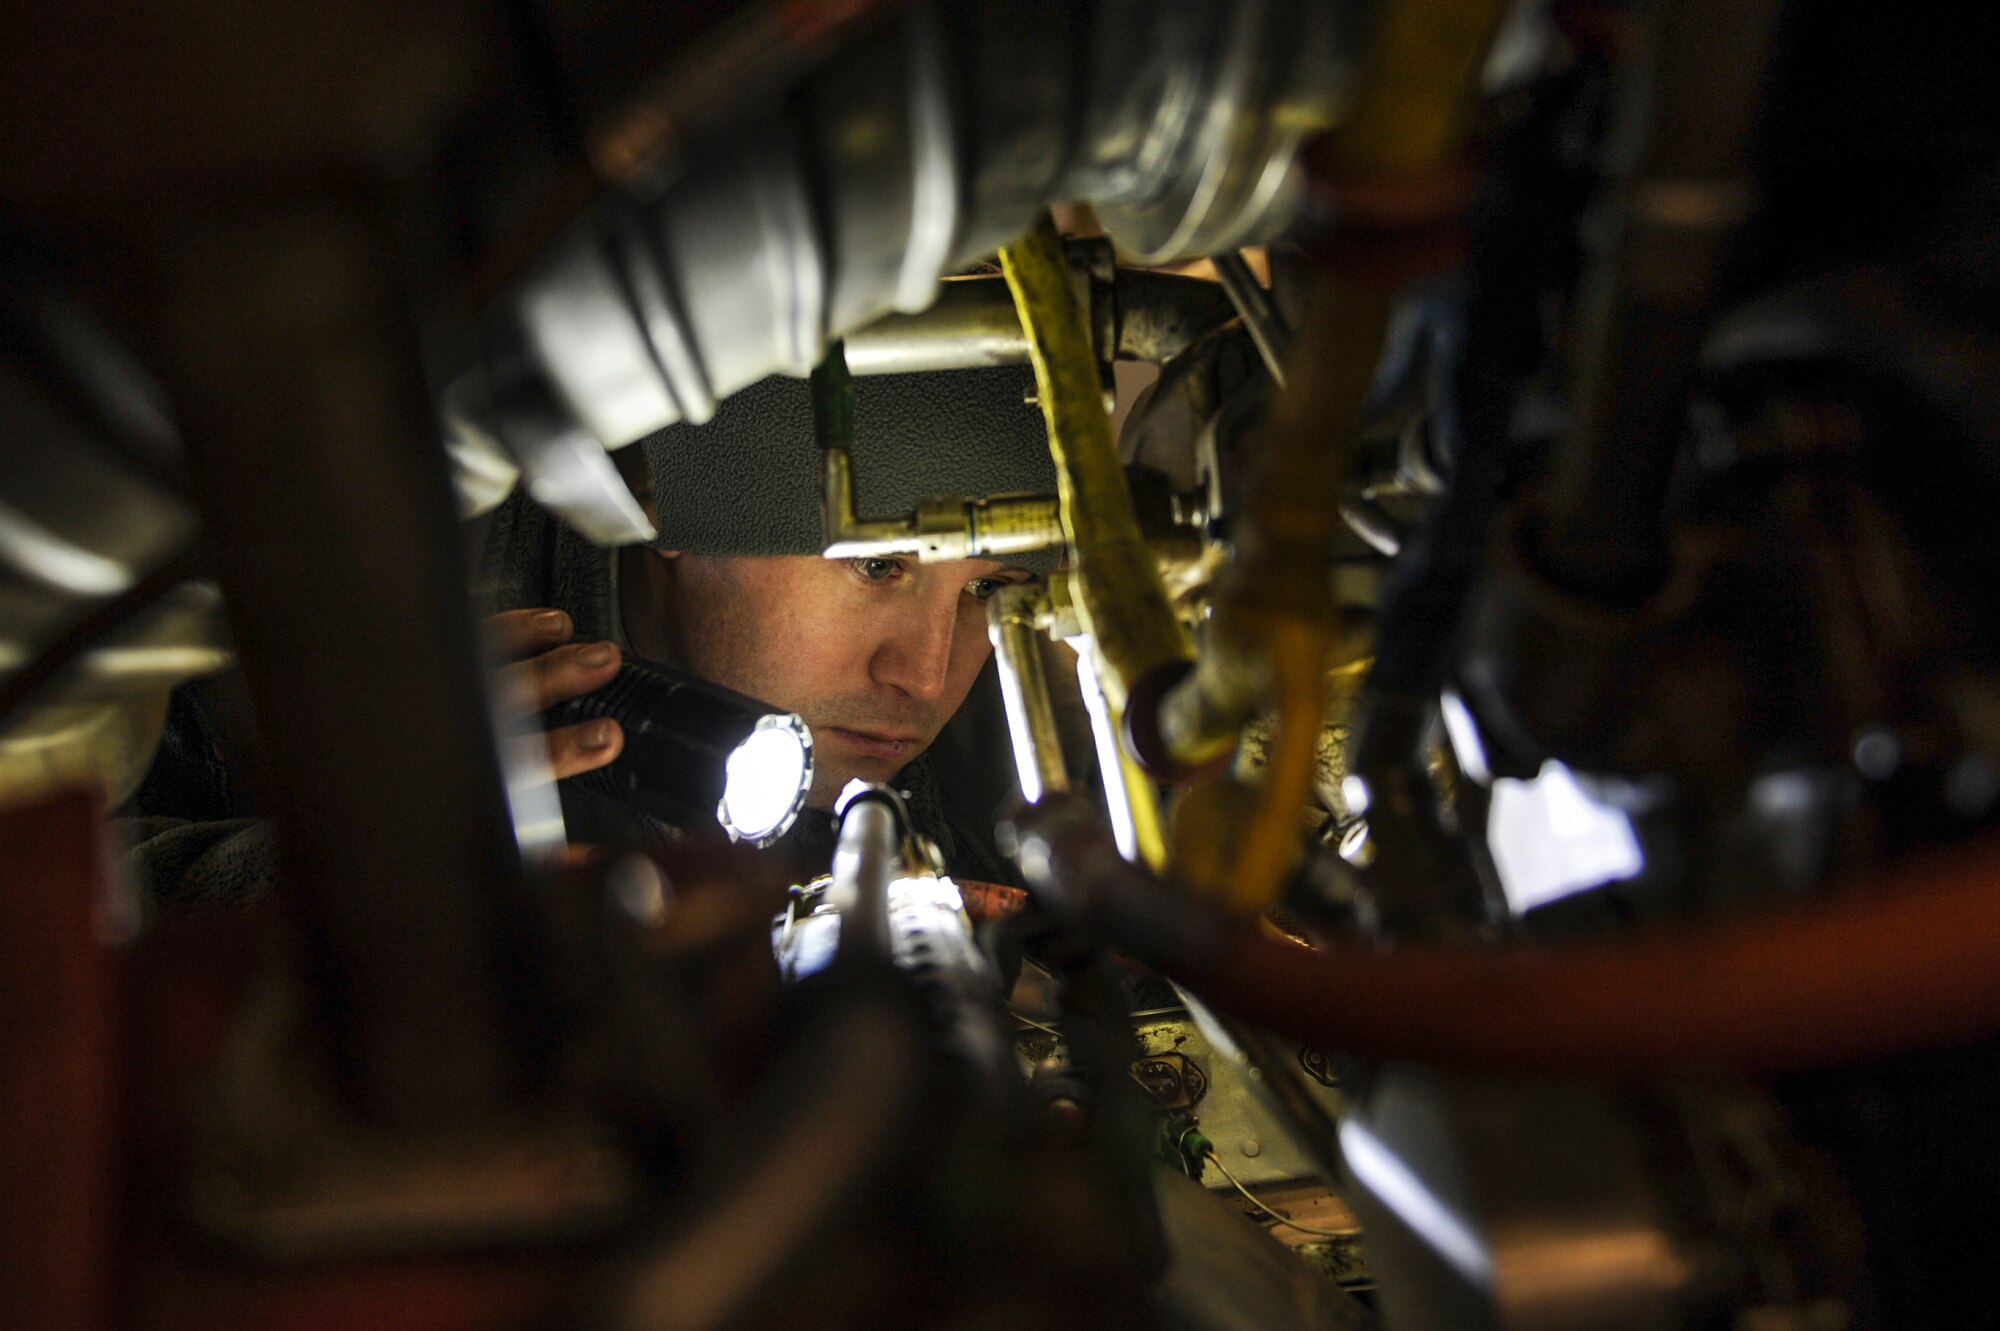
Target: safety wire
[1038, 1025]
[1211, 1156]
[1042, 1026]
[1215, 1159]
[1208, 1153]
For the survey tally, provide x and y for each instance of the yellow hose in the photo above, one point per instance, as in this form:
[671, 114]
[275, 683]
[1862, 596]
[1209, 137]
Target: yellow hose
[1271, 841]
[1273, 620]
[1120, 599]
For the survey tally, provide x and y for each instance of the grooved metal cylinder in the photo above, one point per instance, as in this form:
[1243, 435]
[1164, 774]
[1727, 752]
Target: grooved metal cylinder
[933, 138]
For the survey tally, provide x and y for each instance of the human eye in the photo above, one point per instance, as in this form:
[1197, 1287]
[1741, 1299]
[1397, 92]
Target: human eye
[876, 569]
[983, 589]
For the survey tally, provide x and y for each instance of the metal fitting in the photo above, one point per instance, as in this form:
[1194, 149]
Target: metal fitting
[939, 530]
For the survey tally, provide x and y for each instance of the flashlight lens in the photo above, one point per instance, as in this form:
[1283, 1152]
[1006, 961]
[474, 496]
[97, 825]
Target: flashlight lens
[767, 777]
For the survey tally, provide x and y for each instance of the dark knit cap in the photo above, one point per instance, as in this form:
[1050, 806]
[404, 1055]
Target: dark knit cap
[747, 481]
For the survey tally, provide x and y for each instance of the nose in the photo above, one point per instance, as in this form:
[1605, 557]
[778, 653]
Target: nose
[915, 658]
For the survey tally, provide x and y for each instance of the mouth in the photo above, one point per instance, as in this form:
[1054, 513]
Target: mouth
[871, 744]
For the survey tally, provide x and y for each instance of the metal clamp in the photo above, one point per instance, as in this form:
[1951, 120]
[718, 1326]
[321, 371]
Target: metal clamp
[939, 530]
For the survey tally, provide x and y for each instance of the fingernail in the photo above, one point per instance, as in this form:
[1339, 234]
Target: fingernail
[595, 655]
[595, 736]
[551, 622]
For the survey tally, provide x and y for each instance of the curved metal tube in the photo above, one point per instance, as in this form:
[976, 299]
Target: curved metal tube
[1154, 317]
[1259, 312]
[919, 147]
[1803, 987]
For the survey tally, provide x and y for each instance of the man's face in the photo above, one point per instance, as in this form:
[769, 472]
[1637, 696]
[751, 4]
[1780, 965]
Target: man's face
[875, 654]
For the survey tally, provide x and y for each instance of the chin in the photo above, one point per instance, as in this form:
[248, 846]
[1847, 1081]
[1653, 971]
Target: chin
[828, 783]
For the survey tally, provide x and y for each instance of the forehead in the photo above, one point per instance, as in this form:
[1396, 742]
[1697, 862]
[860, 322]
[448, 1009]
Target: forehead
[737, 589]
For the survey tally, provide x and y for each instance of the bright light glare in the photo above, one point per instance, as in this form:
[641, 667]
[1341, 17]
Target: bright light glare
[1379, 1169]
[925, 891]
[808, 946]
[1550, 839]
[1021, 737]
[805, 946]
[1463, 732]
[765, 780]
[1110, 760]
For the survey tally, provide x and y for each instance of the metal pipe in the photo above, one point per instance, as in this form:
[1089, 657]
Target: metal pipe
[865, 861]
[940, 530]
[933, 136]
[972, 323]
[401, 866]
[937, 531]
[1154, 317]
[1257, 310]
[1801, 987]
[1013, 622]
[1128, 791]
[1120, 599]
[1686, 129]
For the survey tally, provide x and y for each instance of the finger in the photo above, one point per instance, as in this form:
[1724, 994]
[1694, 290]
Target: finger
[585, 747]
[565, 673]
[518, 633]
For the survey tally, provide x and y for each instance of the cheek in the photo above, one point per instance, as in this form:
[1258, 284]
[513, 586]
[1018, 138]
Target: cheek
[741, 630]
[969, 651]
[813, 643]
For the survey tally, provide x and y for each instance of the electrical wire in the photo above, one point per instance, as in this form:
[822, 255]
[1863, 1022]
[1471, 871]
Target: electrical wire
[1040, 1026]
[1213, 1158]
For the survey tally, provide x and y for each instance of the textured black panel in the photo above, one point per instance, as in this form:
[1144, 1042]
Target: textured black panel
[747, 482]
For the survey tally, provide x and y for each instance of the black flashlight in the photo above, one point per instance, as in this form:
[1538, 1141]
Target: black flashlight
[693, 748]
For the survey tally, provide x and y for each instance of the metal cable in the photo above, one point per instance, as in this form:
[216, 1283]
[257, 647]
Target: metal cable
[1257, 310]
[1214, 1158]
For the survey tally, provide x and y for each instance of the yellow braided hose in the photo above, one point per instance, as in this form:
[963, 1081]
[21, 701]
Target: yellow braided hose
[1120, 600]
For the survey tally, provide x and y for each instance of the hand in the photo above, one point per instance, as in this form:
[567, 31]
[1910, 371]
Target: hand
[553, 672]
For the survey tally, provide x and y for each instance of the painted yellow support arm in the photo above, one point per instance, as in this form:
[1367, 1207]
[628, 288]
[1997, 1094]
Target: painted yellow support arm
[1121, 601]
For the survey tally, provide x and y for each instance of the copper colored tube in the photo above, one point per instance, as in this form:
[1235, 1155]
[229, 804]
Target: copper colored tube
[1905, 958]
[1271, 839]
